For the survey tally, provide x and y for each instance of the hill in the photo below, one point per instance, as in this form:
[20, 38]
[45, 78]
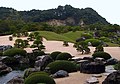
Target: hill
[62, 15]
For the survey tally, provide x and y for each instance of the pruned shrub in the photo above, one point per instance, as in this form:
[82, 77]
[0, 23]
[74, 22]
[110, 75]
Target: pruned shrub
[38, 53]
[29, 72]
[117, 66]
[14, 51]
[86, 35]
[65, 43]
[105, 39]
[63, 56]
[54, 54]
[94, 42]
[102, 55]
[10, 60]
[62, 65]
[39, 78]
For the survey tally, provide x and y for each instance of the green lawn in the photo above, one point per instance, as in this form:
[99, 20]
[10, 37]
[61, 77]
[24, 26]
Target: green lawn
[112, 45]
[73, 35]
[54, 36]
[69, 36]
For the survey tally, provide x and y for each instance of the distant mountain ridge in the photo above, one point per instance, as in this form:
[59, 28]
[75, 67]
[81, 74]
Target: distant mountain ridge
[62, 15]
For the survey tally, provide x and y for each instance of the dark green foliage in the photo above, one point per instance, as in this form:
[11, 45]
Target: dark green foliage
[29, 72]
[10, 60]
[39, 78]
[99, 49]
[86, 35]
[19, 43]
[54, 54]
[105, 39]
[39, 53]
[63, 56]
[65, 43]
[94, 42]
[117, 66]
[62, 65]
[89, 15]
[101, 55]
[14, 51]
[1, 53]
[82, 47]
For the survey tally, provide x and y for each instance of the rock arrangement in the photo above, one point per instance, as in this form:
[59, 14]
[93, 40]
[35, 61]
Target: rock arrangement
[4, 69]
[92, 80]
[16, 80]
[5, 47]
[42, 61]
[92, 67]
[60, 73]
[113, 78]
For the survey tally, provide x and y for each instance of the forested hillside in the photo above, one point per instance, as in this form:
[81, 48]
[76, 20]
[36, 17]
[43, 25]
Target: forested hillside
[67, 14]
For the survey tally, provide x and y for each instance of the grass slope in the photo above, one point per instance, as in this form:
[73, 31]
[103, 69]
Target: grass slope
[69, 36]
[73, 35]
[54, 36]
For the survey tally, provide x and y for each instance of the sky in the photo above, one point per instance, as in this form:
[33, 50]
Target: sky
[109, 9]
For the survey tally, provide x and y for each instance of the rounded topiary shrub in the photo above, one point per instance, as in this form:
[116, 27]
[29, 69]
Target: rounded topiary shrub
[54, 54]
[14, 51]
[63, 56]
[102, 55]
[62, 65]
[38, 79]
[86, 35]
[94, 42]
[29, 72]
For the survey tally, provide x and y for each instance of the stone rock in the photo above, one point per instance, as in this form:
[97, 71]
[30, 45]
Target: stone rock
[5, 47]
[97, 75]
[92, 68]
[109, 69]
[113, 78]
[4, 69]
[111, 61]
[42, 61]
[16, 80]
[92, 80]
[60, 73]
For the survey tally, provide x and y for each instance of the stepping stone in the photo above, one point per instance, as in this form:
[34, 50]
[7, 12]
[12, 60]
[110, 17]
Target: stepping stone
[97, 75]
[92, 80]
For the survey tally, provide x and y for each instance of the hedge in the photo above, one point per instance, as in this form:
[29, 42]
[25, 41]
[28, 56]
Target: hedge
[28, 72]
[14, 51]
[54, 54]
[63, 56]
[39, 78]
[62, 65]
[94, 42]
[104, 55]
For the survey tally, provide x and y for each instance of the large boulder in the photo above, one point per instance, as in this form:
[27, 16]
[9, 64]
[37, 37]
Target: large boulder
[4, 69]
[111, 61]
[92, 67]
[60, 73]
[113, 78]
[42, 61]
